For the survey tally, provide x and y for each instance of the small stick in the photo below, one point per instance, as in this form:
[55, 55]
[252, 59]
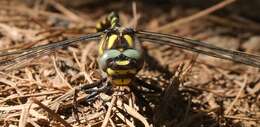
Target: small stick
[127, 121]
[25, 114]
[198, 15]
[28, 95]
[66, 11]
[109, 111]
[112, 122]
[75, 106]
[59, 73]
[241, 118]
[135, 114]
[237, 96]
[135, 15]
[53, 114]
[34, 124]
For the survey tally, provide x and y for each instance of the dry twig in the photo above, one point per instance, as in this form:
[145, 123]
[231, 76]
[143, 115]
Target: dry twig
[198, 15]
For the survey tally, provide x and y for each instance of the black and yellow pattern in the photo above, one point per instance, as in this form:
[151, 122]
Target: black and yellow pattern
[111, 21]
[120, 56]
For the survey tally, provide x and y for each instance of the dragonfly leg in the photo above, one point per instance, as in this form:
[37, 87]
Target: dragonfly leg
[153, 87]
[89, 87]
[103, 86]
[91, 97]
[93, 89]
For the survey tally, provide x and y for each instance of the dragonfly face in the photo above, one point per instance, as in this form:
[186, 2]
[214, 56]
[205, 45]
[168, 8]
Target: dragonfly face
[120, 55]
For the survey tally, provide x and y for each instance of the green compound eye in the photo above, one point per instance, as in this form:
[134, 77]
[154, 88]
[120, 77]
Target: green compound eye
[132, 53]
[107, 55]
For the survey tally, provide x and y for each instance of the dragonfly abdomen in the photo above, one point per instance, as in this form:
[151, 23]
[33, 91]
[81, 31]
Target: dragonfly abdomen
[111, 21]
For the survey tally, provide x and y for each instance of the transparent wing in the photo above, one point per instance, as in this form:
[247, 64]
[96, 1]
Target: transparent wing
[10, 59]
[200, 47]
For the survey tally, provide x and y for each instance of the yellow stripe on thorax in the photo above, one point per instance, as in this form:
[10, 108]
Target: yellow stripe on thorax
[111, 41]
[101, 45]
[129, 40]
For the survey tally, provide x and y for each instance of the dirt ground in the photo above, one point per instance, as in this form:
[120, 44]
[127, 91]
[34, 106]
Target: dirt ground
[198, 90]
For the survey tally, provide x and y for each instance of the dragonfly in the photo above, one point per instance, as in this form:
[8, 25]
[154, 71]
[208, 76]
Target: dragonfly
[121, 56]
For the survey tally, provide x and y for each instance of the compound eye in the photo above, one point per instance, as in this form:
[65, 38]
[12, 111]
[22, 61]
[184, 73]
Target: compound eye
[132, 53]
[108, 54]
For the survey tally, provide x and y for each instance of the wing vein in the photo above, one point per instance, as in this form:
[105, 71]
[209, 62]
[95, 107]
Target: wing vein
[22, 55]
[200, 47]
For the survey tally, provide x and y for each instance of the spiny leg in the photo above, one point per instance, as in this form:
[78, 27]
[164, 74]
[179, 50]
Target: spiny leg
[93, 89]
[155, 88]
[91, 97]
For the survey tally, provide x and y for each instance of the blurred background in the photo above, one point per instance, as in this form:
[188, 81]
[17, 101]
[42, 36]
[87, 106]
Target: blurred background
[249, 9]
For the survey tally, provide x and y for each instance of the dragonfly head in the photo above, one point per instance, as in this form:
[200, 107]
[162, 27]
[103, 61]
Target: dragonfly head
[120, 55]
